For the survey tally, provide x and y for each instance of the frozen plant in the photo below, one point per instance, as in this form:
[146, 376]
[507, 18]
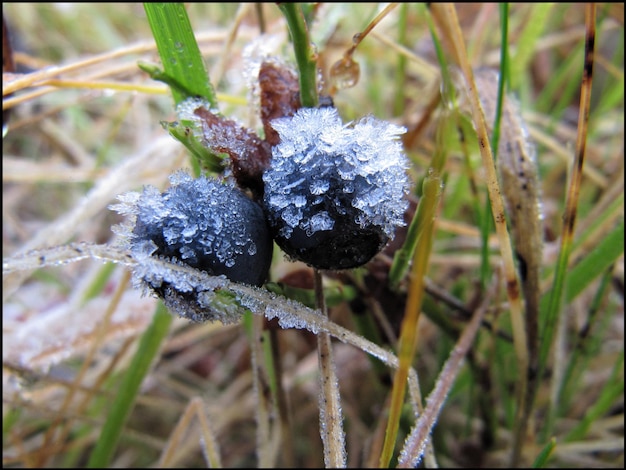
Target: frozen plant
[201, 223]
[335, 193]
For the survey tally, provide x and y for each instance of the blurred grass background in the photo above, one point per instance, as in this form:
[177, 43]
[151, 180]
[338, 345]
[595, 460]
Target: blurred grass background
[67, 338]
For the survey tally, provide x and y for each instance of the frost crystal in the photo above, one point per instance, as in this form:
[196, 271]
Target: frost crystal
[335, 187]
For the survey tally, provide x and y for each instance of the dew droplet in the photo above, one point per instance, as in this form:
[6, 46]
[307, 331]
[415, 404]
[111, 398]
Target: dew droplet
[344, 73]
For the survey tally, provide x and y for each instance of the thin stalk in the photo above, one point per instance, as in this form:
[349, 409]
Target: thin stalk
[408, 336]
[331, 420]
[569, 220]
[306, 55]
[419, 436]
[398, 100]
[260, 376]
[282, 405]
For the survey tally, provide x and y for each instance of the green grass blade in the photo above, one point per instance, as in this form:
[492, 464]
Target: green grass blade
[527, 42]
[334, 294]
[10, 418]
[149, 347]
[614, 211]
[400, 78]
[595, 263]
[607, 399]
[183, 67]
[99, 283]
[503, 76]
[568, 72]
[544, 455]
[584, 348]
[306, 57]
[612, 95]
[403, 256]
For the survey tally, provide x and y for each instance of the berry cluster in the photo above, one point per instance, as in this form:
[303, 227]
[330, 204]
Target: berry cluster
[330, 195]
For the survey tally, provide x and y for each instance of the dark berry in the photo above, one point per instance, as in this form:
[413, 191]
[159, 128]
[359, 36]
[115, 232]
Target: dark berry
[203, 223]
[335, 193]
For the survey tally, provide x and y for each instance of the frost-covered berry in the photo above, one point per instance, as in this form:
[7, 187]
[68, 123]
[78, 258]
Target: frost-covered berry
[202, 223]
[335, 193]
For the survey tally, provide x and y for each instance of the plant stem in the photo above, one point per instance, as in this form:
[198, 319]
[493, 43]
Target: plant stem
[306, 55]
[331, 428]
[553, 315]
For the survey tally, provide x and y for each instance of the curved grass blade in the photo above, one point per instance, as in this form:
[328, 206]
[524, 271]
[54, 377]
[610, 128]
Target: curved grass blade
[331, 421]
[608, 250]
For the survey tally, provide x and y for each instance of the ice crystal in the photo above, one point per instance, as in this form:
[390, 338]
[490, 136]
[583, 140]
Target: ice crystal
[328, 179]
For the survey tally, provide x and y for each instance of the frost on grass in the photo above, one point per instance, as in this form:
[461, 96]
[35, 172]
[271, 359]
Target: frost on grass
[196, 295]
[201, 223]
[65, 330]
[332, 186]
[201, 297]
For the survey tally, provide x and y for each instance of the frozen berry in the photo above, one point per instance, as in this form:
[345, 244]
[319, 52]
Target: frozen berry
[203, 223]
[335, 193]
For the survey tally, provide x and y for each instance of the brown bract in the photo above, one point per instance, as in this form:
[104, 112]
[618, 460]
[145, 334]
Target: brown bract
[249, 154]
[280, 96]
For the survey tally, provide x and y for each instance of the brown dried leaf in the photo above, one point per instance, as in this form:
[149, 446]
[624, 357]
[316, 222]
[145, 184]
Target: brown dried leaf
[280, 96]
[249, 154]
